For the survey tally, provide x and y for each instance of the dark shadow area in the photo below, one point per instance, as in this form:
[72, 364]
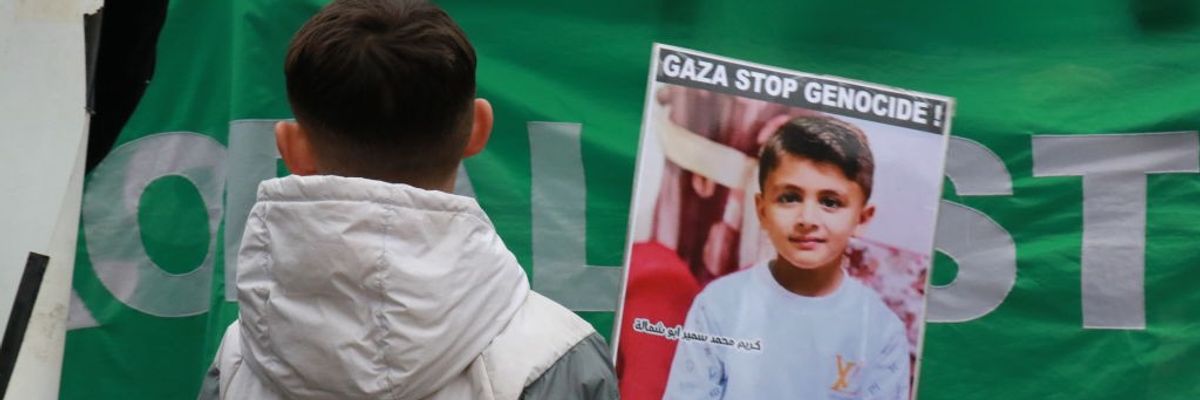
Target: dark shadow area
[120, 65]
[1165, 16]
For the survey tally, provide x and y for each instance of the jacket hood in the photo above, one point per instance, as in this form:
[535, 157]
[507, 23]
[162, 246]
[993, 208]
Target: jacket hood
[353, 288]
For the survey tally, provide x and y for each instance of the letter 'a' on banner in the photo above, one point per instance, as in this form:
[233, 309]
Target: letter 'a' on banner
[781, 233]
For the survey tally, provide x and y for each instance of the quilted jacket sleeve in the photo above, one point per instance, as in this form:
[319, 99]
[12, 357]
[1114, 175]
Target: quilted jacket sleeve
[584, 373]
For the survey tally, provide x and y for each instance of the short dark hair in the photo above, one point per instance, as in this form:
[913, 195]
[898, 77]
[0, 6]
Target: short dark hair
[821, 139]
[385, 89]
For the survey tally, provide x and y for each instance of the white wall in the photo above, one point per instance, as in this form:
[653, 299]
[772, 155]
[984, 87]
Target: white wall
[43, 126]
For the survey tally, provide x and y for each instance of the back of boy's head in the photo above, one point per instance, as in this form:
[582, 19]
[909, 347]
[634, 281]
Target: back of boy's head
[824, 140]
[384, 89]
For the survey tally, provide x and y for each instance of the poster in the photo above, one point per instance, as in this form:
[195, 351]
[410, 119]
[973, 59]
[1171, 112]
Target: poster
[781, 234]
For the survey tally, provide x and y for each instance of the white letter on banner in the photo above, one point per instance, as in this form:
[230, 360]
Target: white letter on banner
[78, 315]
[462, 183]
[110, 221]
[253, 155]
[1114, 168]
[984, 251]
[559, 198]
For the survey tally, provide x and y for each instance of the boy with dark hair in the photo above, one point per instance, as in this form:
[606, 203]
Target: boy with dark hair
[813, 332]
[358, 276]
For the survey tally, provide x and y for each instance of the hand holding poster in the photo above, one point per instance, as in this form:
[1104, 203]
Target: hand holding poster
[781, 234]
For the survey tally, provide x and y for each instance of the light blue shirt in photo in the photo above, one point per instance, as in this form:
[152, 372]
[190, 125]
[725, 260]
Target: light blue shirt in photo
[841, 346]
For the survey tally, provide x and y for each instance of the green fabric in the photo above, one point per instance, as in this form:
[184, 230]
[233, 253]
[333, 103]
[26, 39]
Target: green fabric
[1017, 68]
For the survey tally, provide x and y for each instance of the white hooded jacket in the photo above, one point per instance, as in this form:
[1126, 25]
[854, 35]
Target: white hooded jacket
[357, 289]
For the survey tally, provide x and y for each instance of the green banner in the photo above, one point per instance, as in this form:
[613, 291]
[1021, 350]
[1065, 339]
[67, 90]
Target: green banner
[1066, 254]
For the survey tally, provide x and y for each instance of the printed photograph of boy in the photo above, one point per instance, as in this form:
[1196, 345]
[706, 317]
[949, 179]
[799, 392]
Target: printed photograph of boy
[694, 227]
[824, 333]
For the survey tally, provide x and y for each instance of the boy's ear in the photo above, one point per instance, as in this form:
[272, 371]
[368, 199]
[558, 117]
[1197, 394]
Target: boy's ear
[481, 128]
[758, 207]
[864, 219]
[295, 148]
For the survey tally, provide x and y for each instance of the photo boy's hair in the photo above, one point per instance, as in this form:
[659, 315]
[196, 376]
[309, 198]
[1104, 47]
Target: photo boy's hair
[821, 139]
[385, 89]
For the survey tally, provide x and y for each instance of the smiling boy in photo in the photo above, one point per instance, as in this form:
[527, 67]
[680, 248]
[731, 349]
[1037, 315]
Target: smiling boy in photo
[823, 335]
